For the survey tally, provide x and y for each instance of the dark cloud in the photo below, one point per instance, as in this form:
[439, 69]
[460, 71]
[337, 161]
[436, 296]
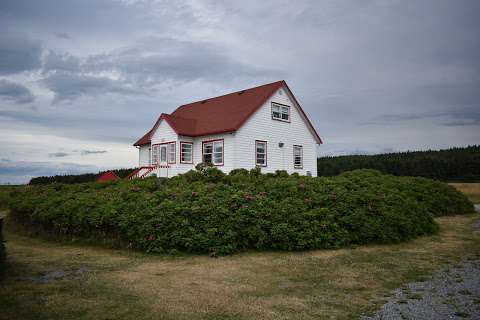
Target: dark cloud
[153, 60]
[15, 92]
[18, 53]
[69, 86]
[58, 154]
[63, 35]
[147, 64]
[88, 152]
[458, 117]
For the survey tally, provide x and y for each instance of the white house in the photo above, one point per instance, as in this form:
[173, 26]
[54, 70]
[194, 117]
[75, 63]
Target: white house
[262, 127]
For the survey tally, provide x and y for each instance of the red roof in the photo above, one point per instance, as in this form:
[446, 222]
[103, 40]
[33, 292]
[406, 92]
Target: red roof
[221, 114]
[108, 176]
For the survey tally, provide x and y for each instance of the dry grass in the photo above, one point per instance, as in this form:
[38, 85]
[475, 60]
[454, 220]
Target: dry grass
[472, 190]
[326, 284]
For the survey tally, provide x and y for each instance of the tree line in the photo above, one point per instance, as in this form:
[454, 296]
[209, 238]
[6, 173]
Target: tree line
[77, 178]
[455, 164]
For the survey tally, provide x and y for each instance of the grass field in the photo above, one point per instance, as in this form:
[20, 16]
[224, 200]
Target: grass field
[472, 190]
[120, 284]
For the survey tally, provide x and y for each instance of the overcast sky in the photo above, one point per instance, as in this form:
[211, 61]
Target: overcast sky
[80, 81]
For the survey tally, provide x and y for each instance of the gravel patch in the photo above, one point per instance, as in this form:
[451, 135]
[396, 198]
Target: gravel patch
[452, 293]
[58, 274]
[477, 207]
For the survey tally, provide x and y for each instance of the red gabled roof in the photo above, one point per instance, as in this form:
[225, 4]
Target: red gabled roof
[221, 114]
[108, 176]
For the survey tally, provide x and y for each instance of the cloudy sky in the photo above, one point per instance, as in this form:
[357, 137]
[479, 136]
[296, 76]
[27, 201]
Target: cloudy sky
[80, 81]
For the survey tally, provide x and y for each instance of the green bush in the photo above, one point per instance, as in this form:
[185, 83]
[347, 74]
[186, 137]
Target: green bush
[3, 253]
[209, 212]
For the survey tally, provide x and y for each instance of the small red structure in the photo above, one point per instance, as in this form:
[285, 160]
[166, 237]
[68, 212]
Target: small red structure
[108, 176]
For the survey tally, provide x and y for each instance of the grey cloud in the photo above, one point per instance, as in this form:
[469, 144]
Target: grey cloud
[458, 117]
[63, 35]
[58, 154]
[68, 86]
[141, 67]
[18, 53]
[15, 92]
[60, 62]
[88, 152]
[156, 59]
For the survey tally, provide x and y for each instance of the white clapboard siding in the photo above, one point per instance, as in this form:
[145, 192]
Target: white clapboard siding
[144, 155]
[261, 126]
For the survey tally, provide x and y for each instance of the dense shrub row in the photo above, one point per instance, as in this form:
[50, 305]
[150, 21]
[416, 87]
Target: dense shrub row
[456, 164]
[207, 211]
[3, 253]
[77, 178]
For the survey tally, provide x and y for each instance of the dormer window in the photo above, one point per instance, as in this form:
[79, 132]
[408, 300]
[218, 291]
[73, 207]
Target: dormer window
[280, 112]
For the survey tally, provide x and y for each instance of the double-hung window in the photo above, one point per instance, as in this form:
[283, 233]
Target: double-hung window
[280, 112]
[155, 154]
[171, 152]
[298, 157]
[213, 152]
[186, 152]
[261, 153]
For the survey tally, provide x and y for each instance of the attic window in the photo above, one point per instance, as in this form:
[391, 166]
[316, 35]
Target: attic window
[280, 112]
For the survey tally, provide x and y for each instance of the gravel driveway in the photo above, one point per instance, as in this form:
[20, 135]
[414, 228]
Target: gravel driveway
[451, 293]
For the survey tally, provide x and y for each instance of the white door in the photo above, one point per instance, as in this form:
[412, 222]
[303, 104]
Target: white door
[163, 154]
[163, 170]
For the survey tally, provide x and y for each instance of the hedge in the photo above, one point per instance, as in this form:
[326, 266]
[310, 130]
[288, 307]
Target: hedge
[207, 211]
[3, 253]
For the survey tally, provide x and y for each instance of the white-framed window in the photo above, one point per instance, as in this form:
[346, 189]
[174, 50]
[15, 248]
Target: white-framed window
[186, 152]
[298, 157]
[154, 154]
[280, 112]
[171, 152]
[261, 153]
[213, 152]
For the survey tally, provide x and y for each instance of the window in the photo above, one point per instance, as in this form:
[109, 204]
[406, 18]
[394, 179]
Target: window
[261, 153]
[298, 157]
[186, 152]
[154, 154]
[213, 152]
[280, 112]
[171, 152]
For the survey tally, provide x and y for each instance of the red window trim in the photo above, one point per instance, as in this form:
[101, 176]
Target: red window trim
[293, 150]
[266, 154]
[223, 151]
[180, 152]
[158, 153]
[284, 105]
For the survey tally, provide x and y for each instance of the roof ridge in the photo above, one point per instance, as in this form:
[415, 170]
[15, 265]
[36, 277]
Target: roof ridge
[227, 94]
